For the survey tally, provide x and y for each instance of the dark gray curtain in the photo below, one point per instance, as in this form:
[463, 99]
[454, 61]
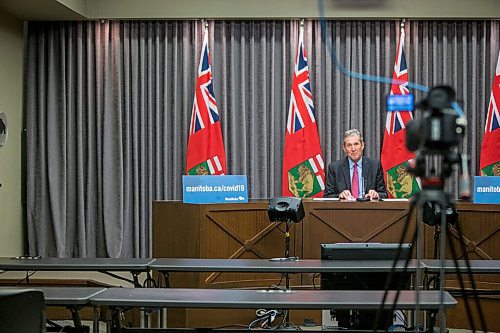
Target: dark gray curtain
[108, 106]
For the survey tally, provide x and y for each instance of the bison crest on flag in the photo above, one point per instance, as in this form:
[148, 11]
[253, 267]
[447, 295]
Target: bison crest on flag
[400, 183]
[305, 179]
[211, 166]
[491, 170]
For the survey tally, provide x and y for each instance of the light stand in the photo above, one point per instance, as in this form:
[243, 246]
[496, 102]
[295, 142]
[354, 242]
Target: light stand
[287, 257]
[287, 210]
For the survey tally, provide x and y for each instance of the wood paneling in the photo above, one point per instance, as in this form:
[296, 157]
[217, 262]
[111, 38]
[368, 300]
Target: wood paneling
[220, 231]
[337, 222]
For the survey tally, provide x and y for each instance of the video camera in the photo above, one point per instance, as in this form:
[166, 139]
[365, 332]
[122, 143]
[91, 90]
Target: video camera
[435, 138]
[440, 129]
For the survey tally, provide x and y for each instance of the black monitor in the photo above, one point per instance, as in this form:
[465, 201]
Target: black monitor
[364, 251]
[363, 319]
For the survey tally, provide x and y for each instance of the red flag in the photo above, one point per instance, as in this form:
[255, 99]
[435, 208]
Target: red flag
[303, 166]
[490, 150]
[205, 151]
[395, 155]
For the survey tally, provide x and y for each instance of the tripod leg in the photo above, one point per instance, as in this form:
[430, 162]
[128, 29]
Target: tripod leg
[398, 254]
[471, 278]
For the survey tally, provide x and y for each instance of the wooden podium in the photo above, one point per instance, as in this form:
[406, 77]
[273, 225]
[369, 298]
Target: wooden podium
[244, 231]
[227, 231]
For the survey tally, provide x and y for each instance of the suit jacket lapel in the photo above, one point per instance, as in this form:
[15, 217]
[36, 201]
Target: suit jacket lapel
[345, 171]
[366, 171]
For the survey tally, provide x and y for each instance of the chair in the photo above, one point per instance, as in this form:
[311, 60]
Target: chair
[22, 311]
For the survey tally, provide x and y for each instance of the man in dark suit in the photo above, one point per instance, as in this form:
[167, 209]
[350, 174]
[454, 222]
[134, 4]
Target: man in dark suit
[355, 176]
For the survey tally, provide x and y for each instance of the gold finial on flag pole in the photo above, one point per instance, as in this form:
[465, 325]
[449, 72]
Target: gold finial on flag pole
[301, 23]
[403, 23]
[204, 24]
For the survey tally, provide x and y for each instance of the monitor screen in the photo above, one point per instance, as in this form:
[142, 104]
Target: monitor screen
[363, 319]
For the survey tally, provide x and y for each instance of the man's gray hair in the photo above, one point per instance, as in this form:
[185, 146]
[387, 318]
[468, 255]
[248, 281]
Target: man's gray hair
[352, 132]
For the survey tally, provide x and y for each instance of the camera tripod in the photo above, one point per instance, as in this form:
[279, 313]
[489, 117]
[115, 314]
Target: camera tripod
[441, 199]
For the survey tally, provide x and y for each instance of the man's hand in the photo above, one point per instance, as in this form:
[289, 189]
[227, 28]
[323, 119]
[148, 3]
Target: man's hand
[346, 195]
[372, 194]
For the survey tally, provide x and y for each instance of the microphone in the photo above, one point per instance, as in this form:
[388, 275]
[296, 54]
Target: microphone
[363, 188]
[363, 192]
[464, 191]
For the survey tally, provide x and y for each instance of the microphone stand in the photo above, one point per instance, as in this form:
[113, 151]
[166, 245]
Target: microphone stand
[362, 198]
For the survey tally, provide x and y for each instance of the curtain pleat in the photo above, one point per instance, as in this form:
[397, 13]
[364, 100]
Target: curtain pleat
[108, 106]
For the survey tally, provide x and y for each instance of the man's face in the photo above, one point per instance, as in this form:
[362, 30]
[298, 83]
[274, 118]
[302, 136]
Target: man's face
[353, 147]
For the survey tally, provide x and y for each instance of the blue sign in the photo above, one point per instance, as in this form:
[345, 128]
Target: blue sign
[214, 189]
[400, 102]
[487, 189]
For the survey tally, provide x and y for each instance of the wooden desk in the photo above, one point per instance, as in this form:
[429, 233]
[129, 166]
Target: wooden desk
[233, 231]
[353, 222]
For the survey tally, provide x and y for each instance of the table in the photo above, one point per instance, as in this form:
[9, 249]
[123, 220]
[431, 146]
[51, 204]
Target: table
[242, 299]
[240, 265]
[75, 264]
[477, 266]
[279, 266]
[74, 297]
[104, 265]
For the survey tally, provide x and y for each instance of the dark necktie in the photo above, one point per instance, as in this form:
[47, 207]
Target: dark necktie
[355, 182]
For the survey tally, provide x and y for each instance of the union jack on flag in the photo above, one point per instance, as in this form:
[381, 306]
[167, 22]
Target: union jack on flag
[490, 149]
[303, 167]
[493, 117]
[204, 106]
[301, 102]
[397, 120]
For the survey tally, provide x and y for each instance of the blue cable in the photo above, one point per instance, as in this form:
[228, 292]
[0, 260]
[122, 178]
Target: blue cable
[362, 76]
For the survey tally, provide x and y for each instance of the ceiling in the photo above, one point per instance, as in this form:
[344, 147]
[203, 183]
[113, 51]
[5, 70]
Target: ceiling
[61, 10]
[28, 10]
